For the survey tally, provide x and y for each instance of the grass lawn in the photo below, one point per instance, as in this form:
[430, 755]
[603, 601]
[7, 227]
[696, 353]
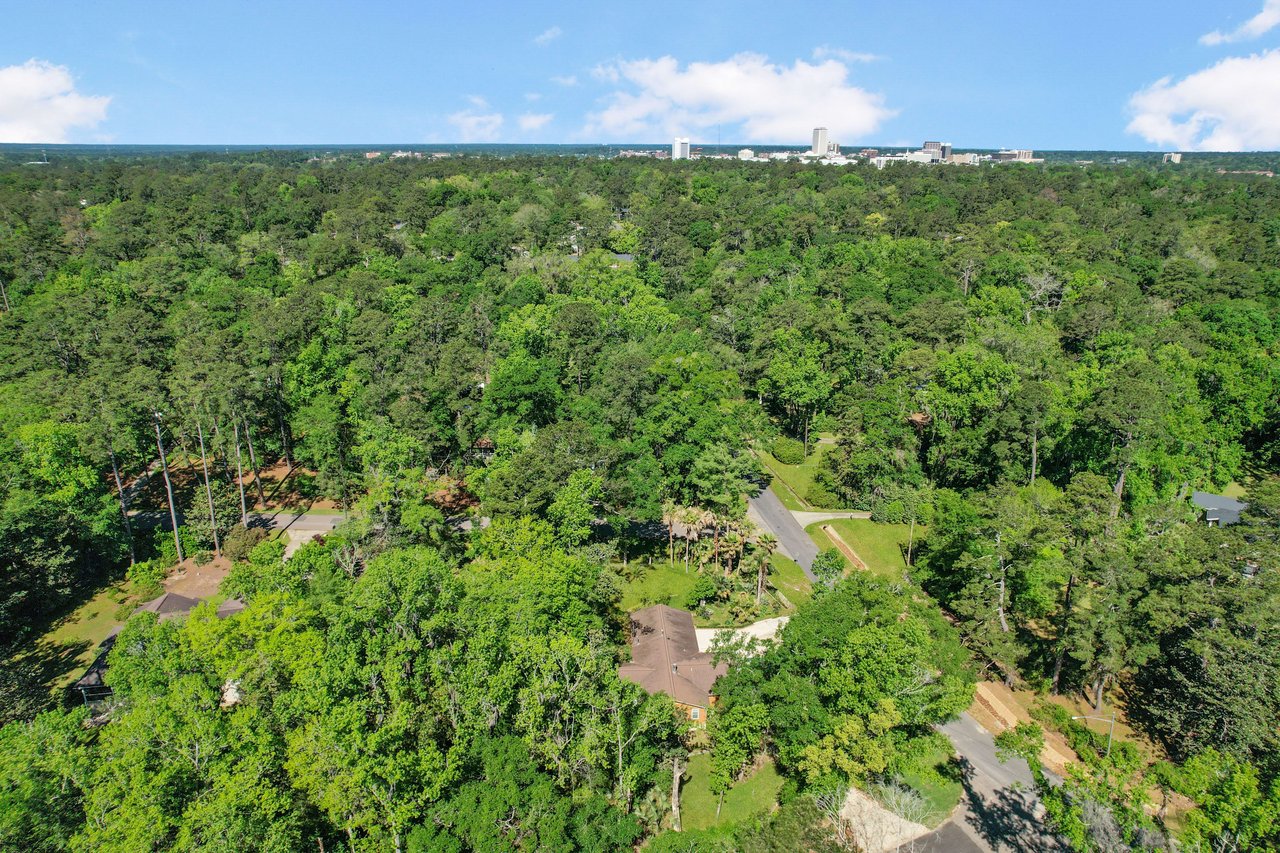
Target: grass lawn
[669, 583]
[791, 482]
[753, 795]
[790, 579]
[881, 546]
[86, 627]
[935, 777]
[44, 665]
[661, 583]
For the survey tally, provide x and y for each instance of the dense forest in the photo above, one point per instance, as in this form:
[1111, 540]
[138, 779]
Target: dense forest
[525, 379]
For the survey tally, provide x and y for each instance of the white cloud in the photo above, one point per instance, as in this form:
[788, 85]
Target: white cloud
[478, 102]
[474, 126]
[1259, 24]
[39, 103]
[828, 52]
[534, 121]
[533, 96]
[1231, 106]
[568, 80]
[772, 103]
[547, 36]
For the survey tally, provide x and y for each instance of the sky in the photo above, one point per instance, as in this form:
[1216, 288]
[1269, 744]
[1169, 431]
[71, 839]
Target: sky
[1119, 75]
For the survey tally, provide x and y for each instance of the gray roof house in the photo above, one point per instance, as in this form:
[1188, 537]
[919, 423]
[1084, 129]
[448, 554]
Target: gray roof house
[1218, 509]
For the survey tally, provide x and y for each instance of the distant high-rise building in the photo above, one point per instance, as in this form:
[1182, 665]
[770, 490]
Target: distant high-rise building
[680, 148]
[1173, 158]
[946, 150]
[819, 142]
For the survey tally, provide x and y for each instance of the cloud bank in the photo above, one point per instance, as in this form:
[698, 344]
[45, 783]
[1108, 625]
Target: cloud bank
[39, 103]
[547, 36]
[1258, 25]
[477, 124]
[770, 102]
[534, 121]
[1231, 106]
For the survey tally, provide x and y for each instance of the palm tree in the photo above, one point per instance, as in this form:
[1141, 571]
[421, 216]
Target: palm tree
[669, 517]
[767, 543]
[691, 520]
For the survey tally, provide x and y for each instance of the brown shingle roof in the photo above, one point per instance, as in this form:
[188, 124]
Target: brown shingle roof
[665, 656]
[169, 605]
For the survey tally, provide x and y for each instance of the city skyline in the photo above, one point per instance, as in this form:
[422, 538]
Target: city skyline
[1145, 76]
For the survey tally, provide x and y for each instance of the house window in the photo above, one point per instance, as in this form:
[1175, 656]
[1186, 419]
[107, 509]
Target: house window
[695, 713]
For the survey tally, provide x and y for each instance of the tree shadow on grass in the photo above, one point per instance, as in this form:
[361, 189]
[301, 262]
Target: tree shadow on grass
[28, 680]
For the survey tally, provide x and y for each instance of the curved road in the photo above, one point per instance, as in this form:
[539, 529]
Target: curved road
[999, 810]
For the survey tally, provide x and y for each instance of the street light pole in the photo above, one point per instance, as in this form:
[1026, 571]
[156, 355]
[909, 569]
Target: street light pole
[1110, 730]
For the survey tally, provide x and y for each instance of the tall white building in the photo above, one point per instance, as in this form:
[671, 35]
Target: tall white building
[819, 142]
[680, 148]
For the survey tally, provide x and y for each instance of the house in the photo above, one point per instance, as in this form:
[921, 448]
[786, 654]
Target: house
[665, 659]
[1218, 509]
[93, 685]
[169, 605]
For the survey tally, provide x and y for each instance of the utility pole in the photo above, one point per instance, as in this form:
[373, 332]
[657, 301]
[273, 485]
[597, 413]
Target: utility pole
[1111, 730]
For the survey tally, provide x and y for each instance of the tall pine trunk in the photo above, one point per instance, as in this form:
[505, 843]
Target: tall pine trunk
[1061, 655]
[1035, 452]
[244, 509]
[208, 491]
[253, 463]
[675, 793]
[168, 488]
[124, 507]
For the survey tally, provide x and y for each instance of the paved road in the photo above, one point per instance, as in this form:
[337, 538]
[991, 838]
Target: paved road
[783, 525]
[282, 520]
[804, 519]
[309, 521]
[1000, 810]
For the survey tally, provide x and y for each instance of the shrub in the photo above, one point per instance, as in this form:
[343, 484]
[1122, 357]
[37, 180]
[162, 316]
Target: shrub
[788, 451]
[820, 496]
[147, 578]
[888, 511]
[265, 571]
[167, 553]
[828, 566]
[704, 589]
[241, 540]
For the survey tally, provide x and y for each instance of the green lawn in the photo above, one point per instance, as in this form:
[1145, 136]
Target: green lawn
[935, 776]
[669, 583]
[753, 795]
[790, 579]
[661, 583]
[881, 546]
[791, 482]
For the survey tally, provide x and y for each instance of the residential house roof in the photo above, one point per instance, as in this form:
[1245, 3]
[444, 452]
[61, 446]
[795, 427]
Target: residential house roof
[665, 656]
[1219, 508]
[169, 605]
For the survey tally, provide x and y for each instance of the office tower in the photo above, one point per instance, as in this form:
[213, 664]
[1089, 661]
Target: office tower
[819, 142]
[680, 148]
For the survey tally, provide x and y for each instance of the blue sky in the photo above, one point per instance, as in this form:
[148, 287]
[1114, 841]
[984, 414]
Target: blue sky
[1123, 74]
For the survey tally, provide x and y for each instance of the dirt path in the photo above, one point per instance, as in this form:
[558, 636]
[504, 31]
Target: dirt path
[875, 828]
[996, 708]
[843, 546]
[197, 581]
